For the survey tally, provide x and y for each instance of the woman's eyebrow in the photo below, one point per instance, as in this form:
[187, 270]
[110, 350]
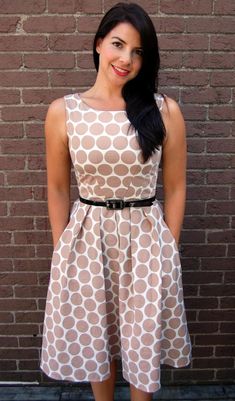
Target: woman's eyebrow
[123, 41]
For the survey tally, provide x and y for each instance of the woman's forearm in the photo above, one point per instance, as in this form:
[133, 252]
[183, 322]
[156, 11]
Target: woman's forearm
[59, 208]
[174, 206]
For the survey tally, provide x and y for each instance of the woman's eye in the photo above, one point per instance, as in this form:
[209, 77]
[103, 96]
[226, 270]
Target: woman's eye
[117, 44]
[139, 52]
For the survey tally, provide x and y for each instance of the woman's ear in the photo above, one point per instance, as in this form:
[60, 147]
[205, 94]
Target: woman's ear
[98, 44]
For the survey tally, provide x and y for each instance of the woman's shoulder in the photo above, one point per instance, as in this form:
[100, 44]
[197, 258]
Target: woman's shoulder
[57, 106]
[172, 117]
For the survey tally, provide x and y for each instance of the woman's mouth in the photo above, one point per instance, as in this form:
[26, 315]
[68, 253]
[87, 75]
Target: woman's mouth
[120, 71]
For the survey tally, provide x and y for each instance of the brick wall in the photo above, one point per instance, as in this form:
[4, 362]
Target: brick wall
[44, 54]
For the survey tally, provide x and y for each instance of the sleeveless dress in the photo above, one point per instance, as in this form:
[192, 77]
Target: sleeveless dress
[115, 288]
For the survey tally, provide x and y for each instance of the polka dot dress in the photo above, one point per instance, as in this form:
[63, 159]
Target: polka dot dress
[115, 288]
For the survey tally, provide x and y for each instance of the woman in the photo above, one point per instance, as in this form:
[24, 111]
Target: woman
[115, 290]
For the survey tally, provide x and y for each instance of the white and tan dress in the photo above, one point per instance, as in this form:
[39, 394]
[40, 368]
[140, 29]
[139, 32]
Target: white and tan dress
[115, 288]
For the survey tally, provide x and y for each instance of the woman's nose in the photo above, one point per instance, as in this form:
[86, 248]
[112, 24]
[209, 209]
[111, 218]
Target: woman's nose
[126, 57]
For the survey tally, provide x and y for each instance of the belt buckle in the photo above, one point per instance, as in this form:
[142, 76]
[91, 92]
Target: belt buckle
[115, 204]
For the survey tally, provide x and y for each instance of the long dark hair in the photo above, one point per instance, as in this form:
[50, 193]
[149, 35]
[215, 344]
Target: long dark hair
[138, 93]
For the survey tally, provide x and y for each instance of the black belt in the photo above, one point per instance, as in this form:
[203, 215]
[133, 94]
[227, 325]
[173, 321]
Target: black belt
[117, 204]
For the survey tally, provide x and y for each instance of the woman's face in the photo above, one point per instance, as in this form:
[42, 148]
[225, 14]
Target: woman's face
[120, 54]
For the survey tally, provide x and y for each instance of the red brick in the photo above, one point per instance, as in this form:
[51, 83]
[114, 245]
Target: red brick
[222, 42]
[199, 278]
[89, 6]
[229, 277]
[62, 6]
[220, 177]
[15, 194]
[231, 250]
[70, 42]
[203, 352]
[9, 341]
[204, 250]
[49, 61]
[227, 302]
[36, 265]
[215, 339]
[149, 5]
[29, 342]
[222, 112]
[193, 375]
[9, 96]
[18, 278]
[210, 363]
[23, 79]
[201, 303]
[169, 78]
[227, 327]
[72, 78]
[183, 42]
[17, 251]
[29, 317]
[220, 208]
[8, 24]
[193, 237]
[204, 60]
[171, 60]
[218, 264]
[26, 178]
[223, 236]
[88, 24]
[6, 317]
[42, 223]
[17, 305]
[12, 130]
[34, 130]
[225, 375]
[222, 78]
[31, 237]
[19, 7]
[199, 327]
[206, 95]
[28, 365]
[210, 24]
[42, 96]
[194, 208]
[85, 60]
[221, 145]
[196, 145]
[169, 24]
[7, 290]
[222, 290]
[22, 376]
[31, 291]
[36, 163]
[186, 7]
[225, 351]
[44, 251]
[194, 78]
[216, 315]
[209, 128]
[194, 112]
[11, 164]
[12, 61]
[28, 209]
[210, 162]
[23, 43]
[14, 223]
[224, 7]
[49, 24]
[8, 365]
[5, 238]
[6, 265]
[21, 353]
[23, 146]
[40, 194]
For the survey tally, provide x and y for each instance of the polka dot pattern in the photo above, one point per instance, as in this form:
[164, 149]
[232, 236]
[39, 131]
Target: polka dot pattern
[115, 288]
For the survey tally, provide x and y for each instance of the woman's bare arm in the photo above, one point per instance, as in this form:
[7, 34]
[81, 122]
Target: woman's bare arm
[58, 168]
[174, 167]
